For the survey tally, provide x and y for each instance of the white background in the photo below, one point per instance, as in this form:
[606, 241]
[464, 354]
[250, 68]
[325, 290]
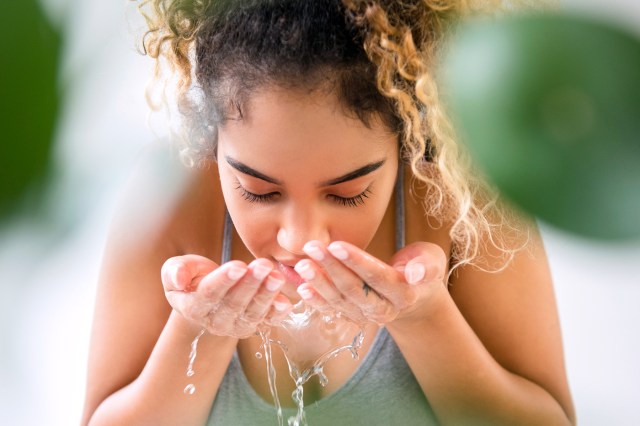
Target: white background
[48, 268]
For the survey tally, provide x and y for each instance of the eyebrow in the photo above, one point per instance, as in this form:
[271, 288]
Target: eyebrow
[243, 168]
[362, 171]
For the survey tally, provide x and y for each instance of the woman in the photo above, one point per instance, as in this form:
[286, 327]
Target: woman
[303, 116]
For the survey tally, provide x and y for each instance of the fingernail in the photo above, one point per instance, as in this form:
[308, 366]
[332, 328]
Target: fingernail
[313, 251]
[338, 251]
[235, 272]
[305, 293]
[415, 273]
[173, 271]
[304, 269]
[280, 306]
[260, 271]
[273, 284]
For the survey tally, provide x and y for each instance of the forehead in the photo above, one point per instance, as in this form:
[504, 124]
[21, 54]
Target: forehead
[289, 127]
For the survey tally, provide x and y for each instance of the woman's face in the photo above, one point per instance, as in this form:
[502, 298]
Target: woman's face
[296, 168]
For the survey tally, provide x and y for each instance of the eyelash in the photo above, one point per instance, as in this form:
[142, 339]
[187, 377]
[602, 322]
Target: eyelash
[354, 201]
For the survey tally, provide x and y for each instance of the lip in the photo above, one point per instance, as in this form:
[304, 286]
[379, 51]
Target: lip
[290, 274]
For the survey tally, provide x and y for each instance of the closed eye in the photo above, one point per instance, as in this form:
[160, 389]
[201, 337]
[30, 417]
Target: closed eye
[257, 198]
[354, 201]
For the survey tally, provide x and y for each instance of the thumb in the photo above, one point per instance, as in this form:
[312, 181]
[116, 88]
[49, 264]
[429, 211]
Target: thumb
[421, 262]
[183, 273]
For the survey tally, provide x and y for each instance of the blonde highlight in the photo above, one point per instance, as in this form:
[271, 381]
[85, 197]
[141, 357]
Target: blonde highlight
[403, 40]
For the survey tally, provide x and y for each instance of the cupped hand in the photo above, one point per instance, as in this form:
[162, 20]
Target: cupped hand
[341, 277]
[233, 299]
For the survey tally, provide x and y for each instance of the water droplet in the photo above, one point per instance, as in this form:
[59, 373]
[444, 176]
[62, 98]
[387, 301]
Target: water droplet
[323, 378]
[194, 353]
[190, 389]
[259, 355]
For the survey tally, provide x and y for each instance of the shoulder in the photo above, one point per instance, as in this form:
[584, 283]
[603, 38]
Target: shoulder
[170, 208]
[419, 226]
[166, 210]
[514, 313]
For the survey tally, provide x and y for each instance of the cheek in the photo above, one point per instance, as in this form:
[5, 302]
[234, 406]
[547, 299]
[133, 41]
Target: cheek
[250, 221]
[358, 230]
[256, 231]
[359, 225]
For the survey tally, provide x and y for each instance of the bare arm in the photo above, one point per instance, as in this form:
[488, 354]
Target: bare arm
[487, 352]
[139, 348]
[156, 396]
[153, 300]
[490, 352]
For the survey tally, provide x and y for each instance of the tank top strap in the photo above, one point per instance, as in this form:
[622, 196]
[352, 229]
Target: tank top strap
[227, 235]
[399, 208]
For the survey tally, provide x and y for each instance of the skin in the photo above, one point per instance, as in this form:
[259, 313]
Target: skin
[485, 350]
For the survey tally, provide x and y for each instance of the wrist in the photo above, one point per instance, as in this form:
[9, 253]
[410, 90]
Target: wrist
[191, 330]
[427, 310]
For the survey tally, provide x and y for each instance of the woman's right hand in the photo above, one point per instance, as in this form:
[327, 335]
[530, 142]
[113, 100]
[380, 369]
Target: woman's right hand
[228, 300]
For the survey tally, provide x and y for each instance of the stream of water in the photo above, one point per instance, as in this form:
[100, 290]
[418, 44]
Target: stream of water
[308, 340]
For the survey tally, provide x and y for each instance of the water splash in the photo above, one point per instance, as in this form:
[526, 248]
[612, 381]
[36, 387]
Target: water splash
[190, 389]
[308, 339]
[271, 371]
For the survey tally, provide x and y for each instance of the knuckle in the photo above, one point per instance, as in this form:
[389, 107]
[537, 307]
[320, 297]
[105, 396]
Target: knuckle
[231, 305]
[380, 312]
[354, 292]
[262, 299]
[211, 291]
[335, 300]
[253, 317]
[370, 276]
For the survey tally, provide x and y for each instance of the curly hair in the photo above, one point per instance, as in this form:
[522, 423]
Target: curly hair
[379, 56]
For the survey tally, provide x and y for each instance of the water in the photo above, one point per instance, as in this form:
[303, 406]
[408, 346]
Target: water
[190, 389]
[308, 340]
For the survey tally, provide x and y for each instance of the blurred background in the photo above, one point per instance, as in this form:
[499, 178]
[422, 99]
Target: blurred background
[51, 244]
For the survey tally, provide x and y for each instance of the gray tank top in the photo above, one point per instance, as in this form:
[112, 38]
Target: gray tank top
[382, 391]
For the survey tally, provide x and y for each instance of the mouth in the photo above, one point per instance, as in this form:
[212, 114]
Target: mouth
[290, 274]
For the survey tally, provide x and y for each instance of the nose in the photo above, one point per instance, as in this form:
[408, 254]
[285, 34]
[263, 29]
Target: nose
[300, 226]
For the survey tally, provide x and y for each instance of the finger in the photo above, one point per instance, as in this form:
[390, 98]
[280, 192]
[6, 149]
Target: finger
[421, 262]
[312, 298]
[346, 281]
[239, 296]
[179, 272]
[191, 307]
[217, 283]
[311, 273]
[264, 298]
[279, 310]
[382, 278]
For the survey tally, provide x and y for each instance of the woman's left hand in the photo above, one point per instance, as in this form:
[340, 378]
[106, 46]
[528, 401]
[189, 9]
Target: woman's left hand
[344, 278]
